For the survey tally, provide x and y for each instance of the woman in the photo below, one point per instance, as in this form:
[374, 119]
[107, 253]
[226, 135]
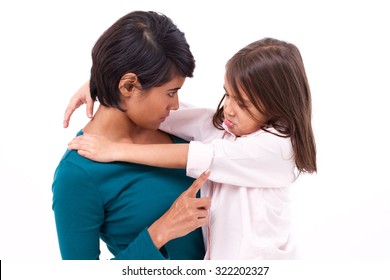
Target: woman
[138, 66]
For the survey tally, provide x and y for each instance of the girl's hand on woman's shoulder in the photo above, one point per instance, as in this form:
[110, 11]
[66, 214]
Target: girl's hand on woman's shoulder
[96, 147]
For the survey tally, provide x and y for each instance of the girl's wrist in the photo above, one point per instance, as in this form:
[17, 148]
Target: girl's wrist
[121, 152]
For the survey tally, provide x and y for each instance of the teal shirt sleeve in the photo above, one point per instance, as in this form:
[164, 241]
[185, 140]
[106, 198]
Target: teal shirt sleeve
[142, 248]
[79, 214]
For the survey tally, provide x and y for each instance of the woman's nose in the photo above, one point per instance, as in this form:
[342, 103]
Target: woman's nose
[174, 105]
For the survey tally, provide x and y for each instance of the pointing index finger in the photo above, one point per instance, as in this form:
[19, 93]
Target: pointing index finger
[197, 184]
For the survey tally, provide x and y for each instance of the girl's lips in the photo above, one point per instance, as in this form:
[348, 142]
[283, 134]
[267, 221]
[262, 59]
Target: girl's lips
[228, 123]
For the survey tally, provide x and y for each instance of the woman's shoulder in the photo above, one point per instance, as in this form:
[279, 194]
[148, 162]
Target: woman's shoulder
[72, 164]
[178, 140]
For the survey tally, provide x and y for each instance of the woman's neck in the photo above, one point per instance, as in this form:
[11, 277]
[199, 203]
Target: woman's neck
[116, 126]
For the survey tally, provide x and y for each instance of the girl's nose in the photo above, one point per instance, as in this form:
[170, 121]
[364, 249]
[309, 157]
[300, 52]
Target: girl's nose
[228, 108]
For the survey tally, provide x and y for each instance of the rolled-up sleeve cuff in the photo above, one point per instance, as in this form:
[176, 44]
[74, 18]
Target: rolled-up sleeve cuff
[200, 157]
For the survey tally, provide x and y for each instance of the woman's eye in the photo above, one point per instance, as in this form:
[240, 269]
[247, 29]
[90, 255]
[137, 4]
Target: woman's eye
[171, 94]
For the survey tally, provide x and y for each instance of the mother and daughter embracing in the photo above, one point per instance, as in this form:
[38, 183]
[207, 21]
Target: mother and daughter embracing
[127, 177]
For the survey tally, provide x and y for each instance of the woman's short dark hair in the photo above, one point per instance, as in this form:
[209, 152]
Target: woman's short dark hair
[148, 44]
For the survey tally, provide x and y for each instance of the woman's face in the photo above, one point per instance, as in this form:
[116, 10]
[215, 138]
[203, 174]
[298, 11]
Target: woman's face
[239, 117]
[148, 109]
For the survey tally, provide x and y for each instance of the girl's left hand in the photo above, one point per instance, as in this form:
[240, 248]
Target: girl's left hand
[95, 147]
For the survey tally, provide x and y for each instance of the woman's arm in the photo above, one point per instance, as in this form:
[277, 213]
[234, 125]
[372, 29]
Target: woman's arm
[99, 148]
[185, 215]
[79, 214]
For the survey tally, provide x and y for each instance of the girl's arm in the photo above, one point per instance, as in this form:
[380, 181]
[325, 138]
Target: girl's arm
[262, 160]
[191, 123]
[82, 96]
[99, 148]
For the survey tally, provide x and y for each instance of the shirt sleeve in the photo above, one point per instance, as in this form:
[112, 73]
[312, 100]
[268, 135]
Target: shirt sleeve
[79, 214]
[142, 248]
[190, 123]
[261, 161]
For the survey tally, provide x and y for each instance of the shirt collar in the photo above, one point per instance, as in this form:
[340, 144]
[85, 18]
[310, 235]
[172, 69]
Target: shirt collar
[246, 135]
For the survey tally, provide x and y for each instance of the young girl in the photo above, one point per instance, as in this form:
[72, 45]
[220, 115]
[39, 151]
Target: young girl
[255, 144]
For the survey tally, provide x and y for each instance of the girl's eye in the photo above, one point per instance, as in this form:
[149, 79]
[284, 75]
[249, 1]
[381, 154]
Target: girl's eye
[242, 105]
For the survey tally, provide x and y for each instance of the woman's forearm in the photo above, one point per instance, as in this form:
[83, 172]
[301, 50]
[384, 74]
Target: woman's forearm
[159, 155]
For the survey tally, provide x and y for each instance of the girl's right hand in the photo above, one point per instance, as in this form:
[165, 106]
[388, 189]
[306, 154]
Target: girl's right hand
[82, 96]
[186, 214]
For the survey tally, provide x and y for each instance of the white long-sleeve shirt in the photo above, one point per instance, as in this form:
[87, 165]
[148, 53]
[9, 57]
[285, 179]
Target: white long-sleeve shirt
[248, 185]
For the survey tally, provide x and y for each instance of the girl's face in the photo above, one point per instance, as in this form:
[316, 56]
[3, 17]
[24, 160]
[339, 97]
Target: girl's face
[239, 118]
[148, 109]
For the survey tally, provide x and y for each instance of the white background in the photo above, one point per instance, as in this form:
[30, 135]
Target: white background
[341, 213]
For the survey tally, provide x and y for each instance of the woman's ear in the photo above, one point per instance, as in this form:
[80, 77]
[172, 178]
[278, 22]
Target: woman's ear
[128, 83]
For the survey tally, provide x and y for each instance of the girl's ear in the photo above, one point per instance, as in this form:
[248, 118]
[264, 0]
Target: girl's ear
[128, 84]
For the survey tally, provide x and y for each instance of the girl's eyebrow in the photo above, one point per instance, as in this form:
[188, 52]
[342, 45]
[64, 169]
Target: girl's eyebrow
[225, 89]
[245, 101]
[231, 94]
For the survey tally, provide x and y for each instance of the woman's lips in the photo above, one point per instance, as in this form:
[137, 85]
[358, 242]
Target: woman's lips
[163, 118]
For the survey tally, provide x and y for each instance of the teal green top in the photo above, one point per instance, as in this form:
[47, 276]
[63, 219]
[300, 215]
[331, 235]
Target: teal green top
[117, 202]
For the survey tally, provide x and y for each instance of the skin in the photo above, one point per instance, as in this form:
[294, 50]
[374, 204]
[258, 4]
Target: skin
[98, 148]
[135, 127]
[237, 118]
[186, 214]
[81, 97]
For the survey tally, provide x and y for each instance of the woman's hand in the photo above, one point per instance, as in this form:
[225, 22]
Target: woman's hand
[96, 147]
[186, 214]
[82, 96]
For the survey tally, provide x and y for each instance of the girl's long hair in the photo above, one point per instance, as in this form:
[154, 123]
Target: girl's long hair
[272, 75]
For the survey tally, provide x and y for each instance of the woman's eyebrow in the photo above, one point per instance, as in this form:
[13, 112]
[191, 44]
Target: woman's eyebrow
[174, 89]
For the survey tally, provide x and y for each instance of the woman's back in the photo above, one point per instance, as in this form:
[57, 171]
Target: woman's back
[117, 202]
